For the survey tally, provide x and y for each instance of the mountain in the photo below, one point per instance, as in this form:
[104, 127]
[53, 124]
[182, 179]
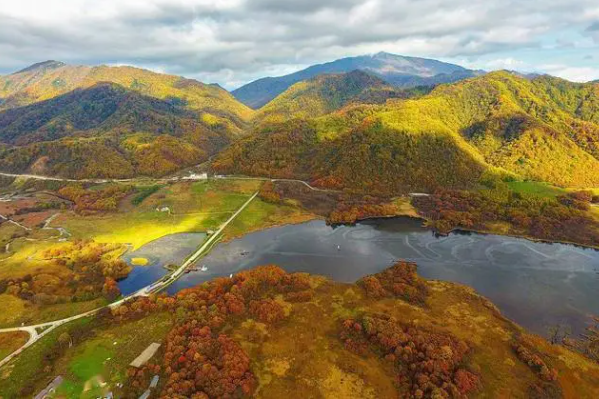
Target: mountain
[49, 79]
[394, 69]
[499, 124]
[106, 131]
[327, 93]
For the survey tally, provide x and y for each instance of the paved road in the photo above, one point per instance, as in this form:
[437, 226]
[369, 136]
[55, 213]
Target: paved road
[37, 331]
[166, 179]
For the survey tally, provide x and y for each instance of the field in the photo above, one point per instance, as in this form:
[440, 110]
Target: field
[260, 214]
[536, 188]
[177, 208]
[103, 359]
[10, 342]
[20, 379]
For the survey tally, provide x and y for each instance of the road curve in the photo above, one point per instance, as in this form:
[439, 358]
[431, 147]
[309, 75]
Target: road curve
[37, 331]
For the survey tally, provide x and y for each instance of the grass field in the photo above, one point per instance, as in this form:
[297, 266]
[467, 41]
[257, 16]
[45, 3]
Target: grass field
[536, 188]
[26, 373]
[187, 207]
[10, 342]
[17, 311]
[104, 358]
[260, 215]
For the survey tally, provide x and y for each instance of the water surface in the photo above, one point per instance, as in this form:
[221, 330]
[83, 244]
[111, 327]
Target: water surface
[535, 284]
[172, 249]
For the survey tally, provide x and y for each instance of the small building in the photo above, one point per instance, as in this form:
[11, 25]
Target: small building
[196, 176]
[145, 355]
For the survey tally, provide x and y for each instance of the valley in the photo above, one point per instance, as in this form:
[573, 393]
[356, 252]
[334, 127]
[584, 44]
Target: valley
[379, 226]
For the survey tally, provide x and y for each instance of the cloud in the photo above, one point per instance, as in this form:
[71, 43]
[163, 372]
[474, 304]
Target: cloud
[574, 74]
[593, 31]
[234, 41]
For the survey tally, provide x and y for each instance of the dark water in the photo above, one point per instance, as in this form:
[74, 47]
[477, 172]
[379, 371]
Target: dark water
[170, 249]
[535, 284]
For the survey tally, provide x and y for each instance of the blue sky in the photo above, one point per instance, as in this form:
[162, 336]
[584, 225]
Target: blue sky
[232, 42]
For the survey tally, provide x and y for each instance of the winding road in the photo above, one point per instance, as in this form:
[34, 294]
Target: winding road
[37, 331]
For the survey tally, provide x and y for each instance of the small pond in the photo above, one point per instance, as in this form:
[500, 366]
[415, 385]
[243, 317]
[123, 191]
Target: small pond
[168, 250]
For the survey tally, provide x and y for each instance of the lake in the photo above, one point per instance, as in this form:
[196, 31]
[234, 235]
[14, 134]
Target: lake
[535, 284]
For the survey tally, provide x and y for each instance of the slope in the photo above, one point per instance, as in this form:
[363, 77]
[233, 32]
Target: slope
[324, 94]
[49, 79]
[105, 131]
[541, 129]
[394, 69]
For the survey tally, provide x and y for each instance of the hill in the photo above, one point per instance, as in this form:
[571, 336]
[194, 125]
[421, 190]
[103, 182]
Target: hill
[327, 93]
[397, 70]
[49, 79]
[264, 333]
[543, 129]
[106, 131]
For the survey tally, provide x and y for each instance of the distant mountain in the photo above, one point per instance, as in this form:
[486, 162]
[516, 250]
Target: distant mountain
[394, 69]
[42, 66]
[326, 93]
[106, 131]
[49, 79]
[499, 124]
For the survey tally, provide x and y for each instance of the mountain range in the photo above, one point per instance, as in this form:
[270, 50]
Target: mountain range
[394, 69]
[360, 128]
[499, 124]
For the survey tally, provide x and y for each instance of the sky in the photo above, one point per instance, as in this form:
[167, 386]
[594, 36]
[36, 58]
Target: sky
[232, 42]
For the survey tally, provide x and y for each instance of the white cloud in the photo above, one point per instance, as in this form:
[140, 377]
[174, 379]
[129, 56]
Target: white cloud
[574, 74]
[233, 41]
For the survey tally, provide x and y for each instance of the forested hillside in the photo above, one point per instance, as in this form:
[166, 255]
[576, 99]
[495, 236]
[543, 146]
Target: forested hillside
[541, 129]
[327, 93]
[106, 131]
[49, 79]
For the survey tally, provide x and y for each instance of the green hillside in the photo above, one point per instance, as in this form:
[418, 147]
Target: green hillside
[324, 94]
[106, 131]
[541, 129]
[50, 79]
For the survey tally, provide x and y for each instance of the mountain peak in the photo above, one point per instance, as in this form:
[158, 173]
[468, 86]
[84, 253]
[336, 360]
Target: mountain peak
[42, 66]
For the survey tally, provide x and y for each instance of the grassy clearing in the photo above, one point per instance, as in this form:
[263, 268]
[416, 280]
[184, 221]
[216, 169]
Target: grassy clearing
[26, 372]
[105, 357]
[13, 310]
[260, 215]
[187, 207]
[17, 311]
[10, 342]
[535, 188]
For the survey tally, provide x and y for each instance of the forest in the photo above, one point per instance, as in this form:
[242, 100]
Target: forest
[563, 218]
[500, 124]
[204, 357]
[92, 270]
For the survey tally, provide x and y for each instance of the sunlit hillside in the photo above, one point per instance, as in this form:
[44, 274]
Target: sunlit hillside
[326, 93]
[50, 79]
[106, 131]
[542, 129]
